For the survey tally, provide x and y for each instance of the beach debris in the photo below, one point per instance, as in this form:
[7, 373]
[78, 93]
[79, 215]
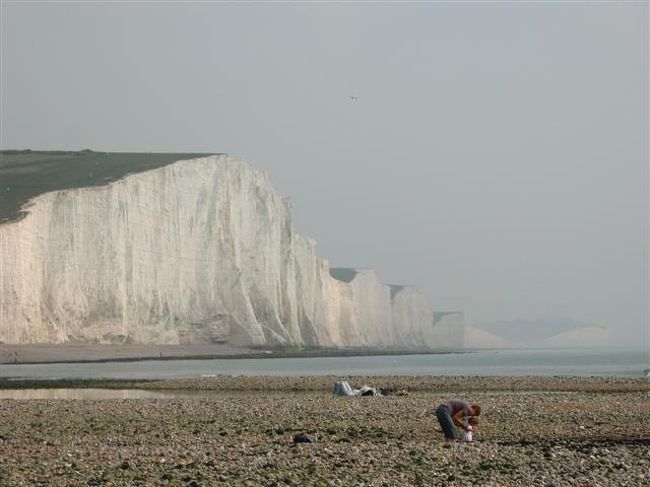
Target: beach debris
[392, 392]
[303, 438]
[343, 388]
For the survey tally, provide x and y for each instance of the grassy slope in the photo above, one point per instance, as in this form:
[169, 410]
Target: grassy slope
[26, 174]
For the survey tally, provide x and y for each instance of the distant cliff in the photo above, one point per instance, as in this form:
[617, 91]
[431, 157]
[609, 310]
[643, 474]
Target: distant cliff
[546, 331]
[200, 250]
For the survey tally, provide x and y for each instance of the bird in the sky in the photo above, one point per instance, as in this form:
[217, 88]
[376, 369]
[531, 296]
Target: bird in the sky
[353, 98]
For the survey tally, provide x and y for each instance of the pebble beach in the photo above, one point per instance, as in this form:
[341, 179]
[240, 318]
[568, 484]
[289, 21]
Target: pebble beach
[240, 431]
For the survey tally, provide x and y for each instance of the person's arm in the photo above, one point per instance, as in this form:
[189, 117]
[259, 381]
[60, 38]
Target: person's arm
[458, 419]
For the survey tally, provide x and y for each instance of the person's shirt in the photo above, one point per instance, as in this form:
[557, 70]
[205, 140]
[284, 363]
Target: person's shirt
[456, 405]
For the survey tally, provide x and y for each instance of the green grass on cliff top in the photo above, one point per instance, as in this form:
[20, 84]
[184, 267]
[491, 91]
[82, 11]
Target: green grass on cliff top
[25, 174]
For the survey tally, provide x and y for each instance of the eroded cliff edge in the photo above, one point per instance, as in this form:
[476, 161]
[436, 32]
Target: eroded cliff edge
[201, 250]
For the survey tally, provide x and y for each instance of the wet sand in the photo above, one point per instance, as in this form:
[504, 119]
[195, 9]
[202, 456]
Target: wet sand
[534, 431]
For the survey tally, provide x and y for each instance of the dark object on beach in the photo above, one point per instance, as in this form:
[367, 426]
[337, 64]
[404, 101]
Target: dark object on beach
[392, 392]
[303, 438]
[343, 388]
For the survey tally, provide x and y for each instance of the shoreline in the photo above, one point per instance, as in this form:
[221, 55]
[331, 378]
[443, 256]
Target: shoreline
[314, 384]
[93, 353]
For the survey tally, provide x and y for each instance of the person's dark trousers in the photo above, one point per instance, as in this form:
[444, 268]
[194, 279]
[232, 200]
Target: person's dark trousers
[444, 418]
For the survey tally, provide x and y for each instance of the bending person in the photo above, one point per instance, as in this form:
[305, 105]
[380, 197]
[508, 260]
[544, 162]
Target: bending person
[455, 413]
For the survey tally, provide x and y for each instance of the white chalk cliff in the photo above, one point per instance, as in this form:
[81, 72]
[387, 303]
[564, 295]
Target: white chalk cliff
[201, 250]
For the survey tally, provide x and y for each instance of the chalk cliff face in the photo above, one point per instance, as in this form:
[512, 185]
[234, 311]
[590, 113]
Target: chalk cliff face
[201, 250]
[411, 316]
[449, 329]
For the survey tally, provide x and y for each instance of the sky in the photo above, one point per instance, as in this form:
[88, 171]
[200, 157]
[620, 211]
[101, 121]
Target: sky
[493, 154]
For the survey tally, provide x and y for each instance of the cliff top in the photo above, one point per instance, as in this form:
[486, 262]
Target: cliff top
[25, 174]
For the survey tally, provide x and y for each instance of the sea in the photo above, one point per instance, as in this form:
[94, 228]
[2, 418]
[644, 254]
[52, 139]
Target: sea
[531, 362]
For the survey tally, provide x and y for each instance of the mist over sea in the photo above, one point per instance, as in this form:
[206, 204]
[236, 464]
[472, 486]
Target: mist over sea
[538, 362]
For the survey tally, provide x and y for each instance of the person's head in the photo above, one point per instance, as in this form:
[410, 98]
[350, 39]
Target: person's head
[476, 411]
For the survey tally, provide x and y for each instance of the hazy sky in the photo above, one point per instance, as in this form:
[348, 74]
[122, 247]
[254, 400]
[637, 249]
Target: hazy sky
[496, 155]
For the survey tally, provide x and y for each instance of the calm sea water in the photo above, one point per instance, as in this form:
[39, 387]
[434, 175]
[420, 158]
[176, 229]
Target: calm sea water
[584, 362]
